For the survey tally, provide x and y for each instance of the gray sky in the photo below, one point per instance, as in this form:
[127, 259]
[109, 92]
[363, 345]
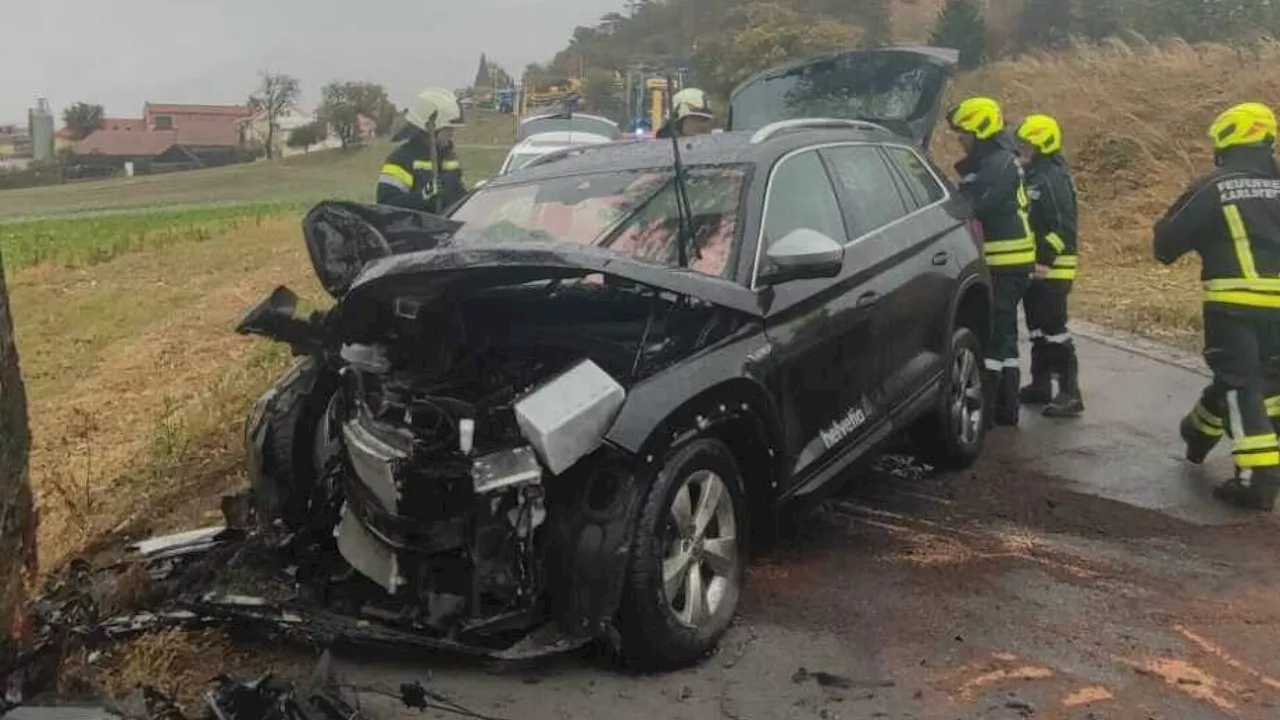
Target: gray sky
[121, 54]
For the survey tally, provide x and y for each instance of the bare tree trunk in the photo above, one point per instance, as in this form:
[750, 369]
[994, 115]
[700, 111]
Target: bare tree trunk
[17, 515]
[271, 136]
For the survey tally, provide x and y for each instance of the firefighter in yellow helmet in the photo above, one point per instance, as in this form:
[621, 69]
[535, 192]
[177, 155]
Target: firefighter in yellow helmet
[692, 115]
[423, 173]
[1053, 218]
[1231, 219]
[991, 180]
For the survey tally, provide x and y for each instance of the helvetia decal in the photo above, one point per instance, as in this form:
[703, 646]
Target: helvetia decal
[846, 426]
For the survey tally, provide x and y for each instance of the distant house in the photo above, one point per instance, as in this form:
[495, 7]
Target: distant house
[168, 116]
[167, 137]
[65, 138]
[15, 142]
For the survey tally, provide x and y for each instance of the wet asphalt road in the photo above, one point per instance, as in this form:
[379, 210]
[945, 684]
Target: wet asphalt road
[1081, 570]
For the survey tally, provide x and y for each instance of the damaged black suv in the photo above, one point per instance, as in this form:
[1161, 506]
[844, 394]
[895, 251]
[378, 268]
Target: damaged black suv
[560, 413]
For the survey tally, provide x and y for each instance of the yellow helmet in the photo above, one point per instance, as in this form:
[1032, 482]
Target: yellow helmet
[1245, 124]
[435, 105]
[979, 116]
[691, 102]
[1042, 133]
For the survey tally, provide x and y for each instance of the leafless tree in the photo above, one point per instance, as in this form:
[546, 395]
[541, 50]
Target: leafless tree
[277, 96]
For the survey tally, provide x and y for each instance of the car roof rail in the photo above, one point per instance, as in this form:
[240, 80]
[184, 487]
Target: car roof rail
[774, 128]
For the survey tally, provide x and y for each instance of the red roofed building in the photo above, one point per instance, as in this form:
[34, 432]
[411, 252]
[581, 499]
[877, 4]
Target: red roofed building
[165, 116]
[166, 137]
[132, 144]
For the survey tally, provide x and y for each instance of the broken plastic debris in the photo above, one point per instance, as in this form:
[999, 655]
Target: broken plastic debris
[189, 541]
[565, 419]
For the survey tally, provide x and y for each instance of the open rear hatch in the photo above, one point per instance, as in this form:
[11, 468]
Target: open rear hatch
[900, 88]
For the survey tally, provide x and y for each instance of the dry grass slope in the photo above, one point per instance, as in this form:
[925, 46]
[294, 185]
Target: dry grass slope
[1135, 122]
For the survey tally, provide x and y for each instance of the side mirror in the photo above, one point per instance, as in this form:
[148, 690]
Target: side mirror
[802, 254]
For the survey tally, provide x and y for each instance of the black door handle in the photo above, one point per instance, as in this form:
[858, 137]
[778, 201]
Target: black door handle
[941, 258]
[868, 298]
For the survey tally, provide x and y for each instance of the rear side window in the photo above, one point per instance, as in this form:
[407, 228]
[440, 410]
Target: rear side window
[870, 194]
[801, 196]
[917, 176]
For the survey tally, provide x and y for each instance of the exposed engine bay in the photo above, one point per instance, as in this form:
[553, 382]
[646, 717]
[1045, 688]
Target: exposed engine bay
[463, 469]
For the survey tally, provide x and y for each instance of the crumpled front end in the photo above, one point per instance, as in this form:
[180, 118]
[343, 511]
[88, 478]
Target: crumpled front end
[445, 496]
[463, 488]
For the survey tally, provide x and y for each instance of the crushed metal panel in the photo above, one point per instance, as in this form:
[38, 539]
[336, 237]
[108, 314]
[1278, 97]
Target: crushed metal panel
[368, 556]
[504, 469]
[374, 462]
[178, 543]
[565, 418]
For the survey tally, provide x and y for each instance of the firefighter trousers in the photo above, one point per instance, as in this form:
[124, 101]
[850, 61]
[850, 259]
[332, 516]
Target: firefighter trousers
[1001, 363]
[1242, 349]
[1045, 304]
[1053, 352]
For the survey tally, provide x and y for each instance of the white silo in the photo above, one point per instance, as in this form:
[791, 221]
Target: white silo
[40, 128]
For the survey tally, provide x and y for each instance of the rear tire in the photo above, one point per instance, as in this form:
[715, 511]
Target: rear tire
[951, 436]
[689, 559]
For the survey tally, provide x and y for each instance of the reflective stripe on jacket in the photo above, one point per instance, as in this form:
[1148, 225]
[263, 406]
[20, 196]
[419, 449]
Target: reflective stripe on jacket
[1231, 218]
[1054, 215]
[991, 180]
[409, 179]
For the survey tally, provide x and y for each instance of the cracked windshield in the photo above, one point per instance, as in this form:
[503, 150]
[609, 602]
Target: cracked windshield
[688, 359]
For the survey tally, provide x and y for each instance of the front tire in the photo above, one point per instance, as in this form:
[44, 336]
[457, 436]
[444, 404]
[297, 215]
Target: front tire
[296, 443]
[686, 573]
[951, 436]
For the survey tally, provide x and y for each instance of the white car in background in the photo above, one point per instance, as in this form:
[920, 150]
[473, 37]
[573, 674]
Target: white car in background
[535, 146]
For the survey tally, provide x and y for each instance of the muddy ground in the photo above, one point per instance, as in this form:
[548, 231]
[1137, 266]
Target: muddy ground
[1081, 570]
[996, 593]
[1078, 571]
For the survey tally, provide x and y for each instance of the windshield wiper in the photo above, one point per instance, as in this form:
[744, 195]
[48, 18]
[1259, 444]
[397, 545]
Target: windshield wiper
[683, 209]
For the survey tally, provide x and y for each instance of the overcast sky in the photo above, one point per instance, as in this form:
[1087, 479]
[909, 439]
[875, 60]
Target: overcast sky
[123, 53]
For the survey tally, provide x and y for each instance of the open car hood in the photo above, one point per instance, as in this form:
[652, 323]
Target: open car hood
[900, 88]
[343, 237]
[449, 272]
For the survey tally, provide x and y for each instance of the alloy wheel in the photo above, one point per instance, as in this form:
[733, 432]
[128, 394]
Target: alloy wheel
[700, 558]
[966, 396]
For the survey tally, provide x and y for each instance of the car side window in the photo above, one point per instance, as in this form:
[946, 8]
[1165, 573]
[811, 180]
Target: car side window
[917, 175]
[801, 196]
[871, 196]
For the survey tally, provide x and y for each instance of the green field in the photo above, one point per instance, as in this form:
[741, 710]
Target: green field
[87, 223]
[298, 181]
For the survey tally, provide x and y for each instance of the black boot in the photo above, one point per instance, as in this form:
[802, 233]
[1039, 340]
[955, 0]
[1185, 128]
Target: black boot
[1257, 493]
[1040, 391]
[1007, 406]
[990, 391]
[1198, 444]
[1069, 402]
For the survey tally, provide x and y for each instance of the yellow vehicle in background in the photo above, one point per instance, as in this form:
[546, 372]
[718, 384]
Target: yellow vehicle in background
[647, 93]
[535, 96]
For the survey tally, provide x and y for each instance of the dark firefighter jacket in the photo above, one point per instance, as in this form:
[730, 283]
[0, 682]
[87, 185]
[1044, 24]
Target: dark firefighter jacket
[409, 179]
[991, 180]
[1231, 218]
[1053, 215]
